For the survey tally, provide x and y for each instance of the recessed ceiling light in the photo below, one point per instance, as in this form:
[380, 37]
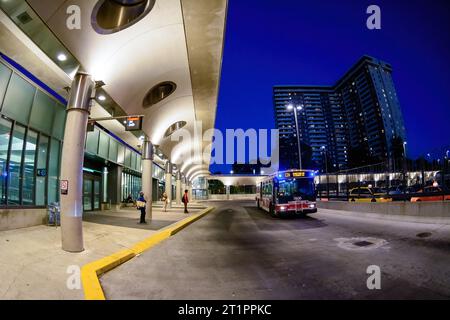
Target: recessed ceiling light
[102, 98]
[62, 57]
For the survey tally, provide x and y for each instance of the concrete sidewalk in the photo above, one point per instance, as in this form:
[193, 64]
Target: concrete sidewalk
[33, 266]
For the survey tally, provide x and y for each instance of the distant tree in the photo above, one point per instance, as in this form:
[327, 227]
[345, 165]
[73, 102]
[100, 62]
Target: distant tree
[216, 187]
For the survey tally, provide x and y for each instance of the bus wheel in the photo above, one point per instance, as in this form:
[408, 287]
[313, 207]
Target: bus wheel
[272, 210]
[373, 200]
[353, 200]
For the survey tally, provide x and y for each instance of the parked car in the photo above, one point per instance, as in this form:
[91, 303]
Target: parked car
[366, 194]
[396, 190]
[431, 193]
[413, 189]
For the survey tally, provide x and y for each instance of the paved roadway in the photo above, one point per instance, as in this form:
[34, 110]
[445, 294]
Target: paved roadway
[239, 252]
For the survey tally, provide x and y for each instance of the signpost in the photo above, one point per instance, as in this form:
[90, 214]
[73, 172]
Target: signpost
[134, 123]
[64, 187]
[90, 126]
[131, 123]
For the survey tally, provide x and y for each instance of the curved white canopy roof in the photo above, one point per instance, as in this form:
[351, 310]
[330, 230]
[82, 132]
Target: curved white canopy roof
[178, 40]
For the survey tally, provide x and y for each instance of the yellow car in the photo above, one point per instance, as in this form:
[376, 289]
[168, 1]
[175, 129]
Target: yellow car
[366, 194]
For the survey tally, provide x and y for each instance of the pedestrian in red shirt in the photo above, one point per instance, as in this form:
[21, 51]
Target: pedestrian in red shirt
[185, 201]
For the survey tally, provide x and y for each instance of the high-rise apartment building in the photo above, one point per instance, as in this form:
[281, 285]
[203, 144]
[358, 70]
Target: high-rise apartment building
[355, 122]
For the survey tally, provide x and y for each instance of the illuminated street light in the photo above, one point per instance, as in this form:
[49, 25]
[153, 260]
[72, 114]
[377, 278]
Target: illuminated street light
[291, 107]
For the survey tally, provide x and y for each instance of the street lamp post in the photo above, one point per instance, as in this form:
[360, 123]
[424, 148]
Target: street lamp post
[404, 165]
[324, 149]
[291, 107]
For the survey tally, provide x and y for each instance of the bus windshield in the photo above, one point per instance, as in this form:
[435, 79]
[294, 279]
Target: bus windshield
[290, 190]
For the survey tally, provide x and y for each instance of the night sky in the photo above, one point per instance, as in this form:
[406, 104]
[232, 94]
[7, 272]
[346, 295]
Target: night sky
[273, 42]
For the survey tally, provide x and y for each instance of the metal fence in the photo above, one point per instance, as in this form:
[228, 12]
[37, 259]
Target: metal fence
[398, 186]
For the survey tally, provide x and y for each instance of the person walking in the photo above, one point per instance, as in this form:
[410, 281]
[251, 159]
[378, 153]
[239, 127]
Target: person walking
[141, 203]
[165, 199]
[185, 201]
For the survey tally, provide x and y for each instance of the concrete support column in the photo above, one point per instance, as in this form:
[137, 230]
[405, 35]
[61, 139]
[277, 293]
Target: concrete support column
[105, 185]
[228, 192]
[190, 192]
[168, 189]
[78, 110]
[178, 189]
[147, 175]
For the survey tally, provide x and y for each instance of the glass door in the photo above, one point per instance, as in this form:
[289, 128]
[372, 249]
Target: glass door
[92, 192]
[87, 194]
[96, 194]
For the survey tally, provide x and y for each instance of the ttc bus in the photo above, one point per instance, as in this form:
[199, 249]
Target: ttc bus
[285, 192]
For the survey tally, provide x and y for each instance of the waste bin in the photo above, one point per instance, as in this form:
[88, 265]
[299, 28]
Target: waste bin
[54, 214]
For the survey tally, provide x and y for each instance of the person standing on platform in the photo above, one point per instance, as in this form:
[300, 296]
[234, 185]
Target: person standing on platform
[141, 203]
[185, 201]
[165, 199]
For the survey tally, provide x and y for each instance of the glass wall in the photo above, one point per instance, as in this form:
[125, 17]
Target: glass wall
[29, 168]
[131, 186]
[41, 172]
[101, 144]
[15, 164]
[5, 132]
[31, 128]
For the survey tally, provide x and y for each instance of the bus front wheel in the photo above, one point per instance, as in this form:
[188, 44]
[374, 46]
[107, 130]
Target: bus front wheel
[272, 210]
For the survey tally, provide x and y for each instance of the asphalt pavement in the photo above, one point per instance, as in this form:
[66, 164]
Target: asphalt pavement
[240, 252]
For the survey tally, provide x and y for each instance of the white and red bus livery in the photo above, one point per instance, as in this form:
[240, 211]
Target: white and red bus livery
[285, 192]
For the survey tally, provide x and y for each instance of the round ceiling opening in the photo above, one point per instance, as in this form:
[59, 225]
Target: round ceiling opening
[110, 16]
[176, 126]
[158, 93]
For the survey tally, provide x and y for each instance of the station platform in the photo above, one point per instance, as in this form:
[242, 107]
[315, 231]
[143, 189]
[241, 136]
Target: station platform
[33, 265]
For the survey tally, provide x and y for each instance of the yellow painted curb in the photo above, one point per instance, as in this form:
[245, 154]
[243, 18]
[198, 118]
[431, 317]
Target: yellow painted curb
[90, 272]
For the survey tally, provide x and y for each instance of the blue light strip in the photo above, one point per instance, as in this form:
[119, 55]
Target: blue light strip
[41, 84]
[33, 78]
[116, 137]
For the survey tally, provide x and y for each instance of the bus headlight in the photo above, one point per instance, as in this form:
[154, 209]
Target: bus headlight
[282, 208]
[312, 206]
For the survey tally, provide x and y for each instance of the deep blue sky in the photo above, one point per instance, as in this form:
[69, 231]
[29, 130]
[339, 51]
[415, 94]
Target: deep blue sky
[270, 42]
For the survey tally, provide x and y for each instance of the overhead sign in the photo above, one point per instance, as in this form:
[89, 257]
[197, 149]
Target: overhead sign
[295, 174]
[133, 124]
[90, 126]
[64, 187]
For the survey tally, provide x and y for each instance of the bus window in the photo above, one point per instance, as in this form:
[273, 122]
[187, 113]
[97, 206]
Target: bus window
[290, 189]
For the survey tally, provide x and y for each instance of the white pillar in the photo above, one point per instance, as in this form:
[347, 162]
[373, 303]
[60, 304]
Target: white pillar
[178, 191]
[183, 185]
[190, 192]
[168, 189]
[228, 192]
[147, 175]
[78, 110]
